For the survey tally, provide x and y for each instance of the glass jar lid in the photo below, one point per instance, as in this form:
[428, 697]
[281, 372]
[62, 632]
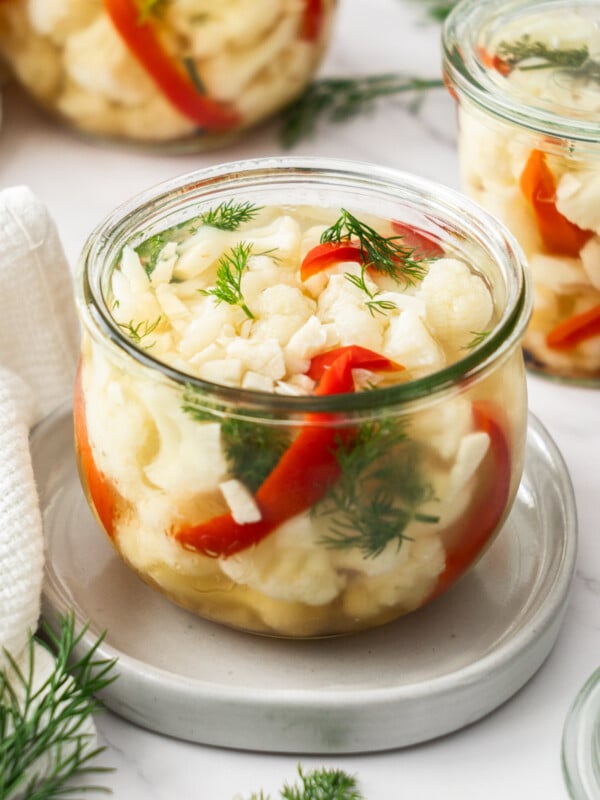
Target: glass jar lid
[536, 64]
[581, 742]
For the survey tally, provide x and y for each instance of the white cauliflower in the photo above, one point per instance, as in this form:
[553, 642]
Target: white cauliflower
[458, 302]
[288, 565]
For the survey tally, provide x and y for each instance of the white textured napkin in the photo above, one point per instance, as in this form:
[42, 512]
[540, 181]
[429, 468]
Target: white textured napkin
[38, 351]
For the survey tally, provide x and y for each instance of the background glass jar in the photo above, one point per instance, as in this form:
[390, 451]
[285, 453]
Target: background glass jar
[581, 742]
[155, 443]
[526, 76]
[187, 75]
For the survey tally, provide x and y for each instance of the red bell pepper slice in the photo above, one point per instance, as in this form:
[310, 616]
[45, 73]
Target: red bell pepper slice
[312, 20]
[493, 61]
[559, 234]
[359, 357]
[101, 491]
[574, 330]
[302, 476]
[422, 244]
[325, 255]
[468, 536]
[144, 43]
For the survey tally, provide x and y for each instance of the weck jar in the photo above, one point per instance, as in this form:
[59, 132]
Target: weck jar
[526, 77]
[168, 74]
[301, 407]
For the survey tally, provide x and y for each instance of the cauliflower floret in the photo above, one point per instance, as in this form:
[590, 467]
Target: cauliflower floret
[458, 302]
[408, 342]
[288, 565]
[407, 586]
[577, 196]
[59, 19]
[590, 260]
[227, 74]
[222, 25]
[343, 305]
[189, 458]
[97, 59]
[264, 356]
[559, 273]
[306, 342]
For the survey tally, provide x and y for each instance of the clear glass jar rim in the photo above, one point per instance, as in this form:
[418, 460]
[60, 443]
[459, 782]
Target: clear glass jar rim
[438, 202]
[470, 78]
[581, 742]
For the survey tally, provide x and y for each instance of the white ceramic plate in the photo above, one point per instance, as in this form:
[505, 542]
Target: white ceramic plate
[430, 673]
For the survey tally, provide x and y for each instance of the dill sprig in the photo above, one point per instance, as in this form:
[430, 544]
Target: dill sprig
[49, 722]
[137, 332]
[379, 490]
[540, 56]
[386, 254]
[228, 216]
[339, 99]
[228, 288]
[374, 305]
[252, 449]
[319, 784]
[437, 10]
[478, 338]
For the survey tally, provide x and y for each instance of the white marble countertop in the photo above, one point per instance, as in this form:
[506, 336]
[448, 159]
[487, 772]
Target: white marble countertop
[513, 752]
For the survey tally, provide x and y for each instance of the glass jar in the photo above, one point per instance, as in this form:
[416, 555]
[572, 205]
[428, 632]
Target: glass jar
[581, 742]
[526, 77]
[281, 509]
[165, 73]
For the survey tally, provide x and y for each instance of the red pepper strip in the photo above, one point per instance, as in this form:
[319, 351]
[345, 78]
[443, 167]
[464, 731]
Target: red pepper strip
[473, 530]
[423, 245]
[494, 62]
[301, 478]
[359, 356]
[325, 255]
[574, 330]
[101, 492]
[312, 21]
[144, 43]
[559, 234]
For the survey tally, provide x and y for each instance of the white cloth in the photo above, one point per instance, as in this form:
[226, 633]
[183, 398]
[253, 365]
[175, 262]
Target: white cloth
[38, 352]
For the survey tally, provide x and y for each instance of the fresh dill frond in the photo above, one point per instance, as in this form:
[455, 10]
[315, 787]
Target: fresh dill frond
[478, 338]
[374, 305]
[339, 99]
[436, 10]
[230, 270]
[192, 70]
[47, 724]
[252, 449]
[323, 784]
[137, 332]
[228, 216]
[385, 254]
[527, 54]
[379, 490]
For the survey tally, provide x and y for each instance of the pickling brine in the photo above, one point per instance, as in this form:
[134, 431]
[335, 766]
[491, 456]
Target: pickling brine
[526, 77]
[299, 419]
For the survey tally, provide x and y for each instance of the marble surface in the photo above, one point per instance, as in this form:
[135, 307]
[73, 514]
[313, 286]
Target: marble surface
[513, 752]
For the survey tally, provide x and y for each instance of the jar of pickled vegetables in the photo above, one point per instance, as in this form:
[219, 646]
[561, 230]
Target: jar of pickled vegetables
[301, 402]
[187, 74]
[526, 76]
